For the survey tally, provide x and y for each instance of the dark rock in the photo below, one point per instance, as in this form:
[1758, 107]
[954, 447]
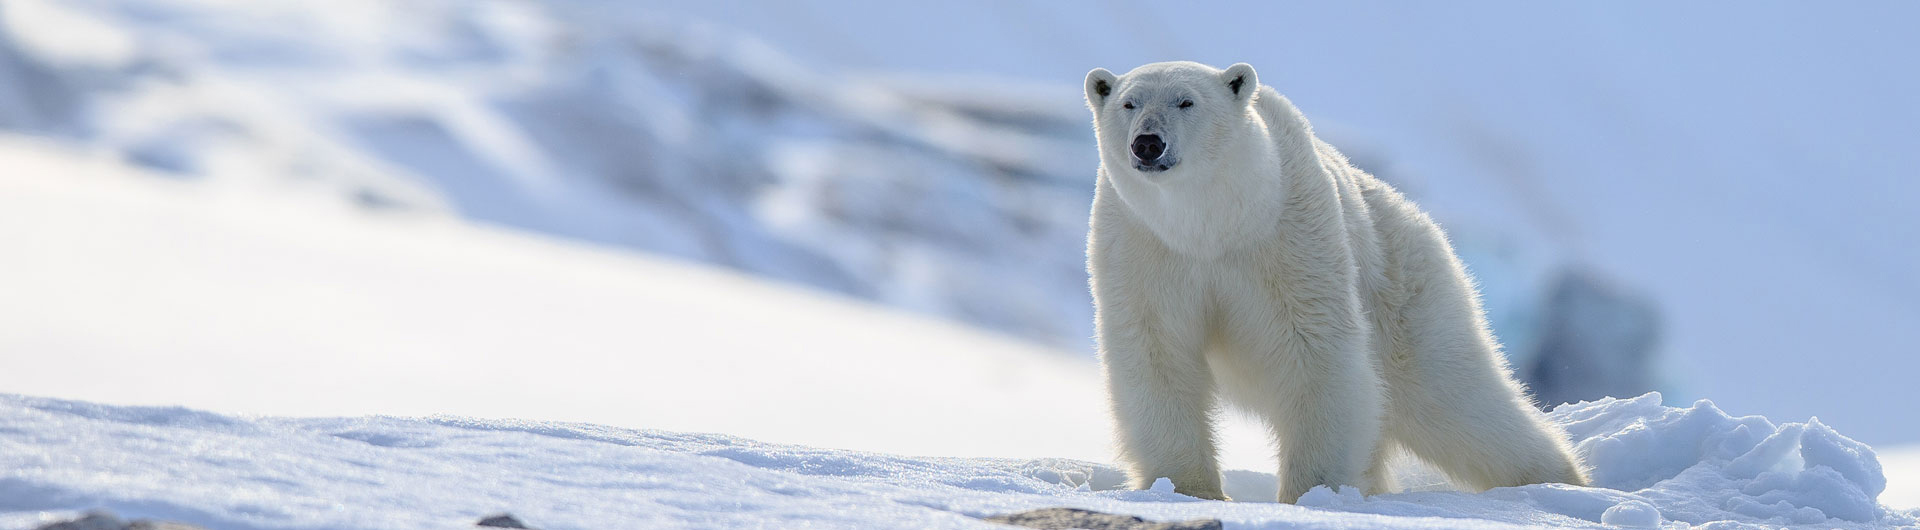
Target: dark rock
[145, 524]
[1066, 518]
[101, 520]
[504, 520]
[1598, 340]
[90, 521]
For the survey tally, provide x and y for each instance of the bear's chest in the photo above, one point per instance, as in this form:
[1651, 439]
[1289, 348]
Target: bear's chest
[1201, 222]
[1249, 294]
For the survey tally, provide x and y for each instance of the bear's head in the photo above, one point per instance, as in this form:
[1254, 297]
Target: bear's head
[1158, 116]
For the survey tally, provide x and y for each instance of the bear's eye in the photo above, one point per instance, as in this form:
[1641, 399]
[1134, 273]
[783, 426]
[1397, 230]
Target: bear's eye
[1187, 103]
[1128, 105]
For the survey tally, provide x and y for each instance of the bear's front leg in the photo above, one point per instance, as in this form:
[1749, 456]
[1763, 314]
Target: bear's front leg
[1163, 412]
[1161, 393]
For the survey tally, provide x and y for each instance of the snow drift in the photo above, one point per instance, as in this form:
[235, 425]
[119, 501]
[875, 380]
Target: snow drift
[1653, 465]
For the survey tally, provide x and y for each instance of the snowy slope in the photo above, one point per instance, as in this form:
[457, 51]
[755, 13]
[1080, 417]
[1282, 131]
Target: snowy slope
[128, 288]
[586, 120]
[1657, 465]
[132, 289]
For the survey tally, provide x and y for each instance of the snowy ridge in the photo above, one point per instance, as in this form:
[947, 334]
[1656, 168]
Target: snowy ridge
[1654, 465]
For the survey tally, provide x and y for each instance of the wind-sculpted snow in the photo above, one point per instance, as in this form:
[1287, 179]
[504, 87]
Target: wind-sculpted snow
[1654, 465]
[1698, 464]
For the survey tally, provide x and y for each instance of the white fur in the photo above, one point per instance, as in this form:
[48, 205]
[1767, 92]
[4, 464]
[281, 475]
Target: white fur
[1265, 269]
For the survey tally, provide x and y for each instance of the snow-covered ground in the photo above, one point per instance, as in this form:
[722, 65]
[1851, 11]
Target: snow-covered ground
[1653, 465]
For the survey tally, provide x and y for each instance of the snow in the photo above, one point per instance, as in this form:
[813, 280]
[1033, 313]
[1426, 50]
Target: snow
[136, 289]
[1632, 514]
[66, 37]
[248, 303]
[58, 457]
[1902, 465]
[244, 302]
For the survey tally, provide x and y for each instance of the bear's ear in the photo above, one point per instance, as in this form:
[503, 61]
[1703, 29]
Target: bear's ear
[1100, 84]
[1240, 81]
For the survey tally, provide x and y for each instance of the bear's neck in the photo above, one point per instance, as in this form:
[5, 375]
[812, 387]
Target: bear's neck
[1232, 202]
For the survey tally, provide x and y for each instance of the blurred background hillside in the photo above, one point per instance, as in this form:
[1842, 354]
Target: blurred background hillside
[1712, 200]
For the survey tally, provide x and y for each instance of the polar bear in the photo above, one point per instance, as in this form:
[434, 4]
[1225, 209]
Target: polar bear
[1234, 253]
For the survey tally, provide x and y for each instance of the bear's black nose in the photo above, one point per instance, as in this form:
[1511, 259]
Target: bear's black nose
[1148, 147]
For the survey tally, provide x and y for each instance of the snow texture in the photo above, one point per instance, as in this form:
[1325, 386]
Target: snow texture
[1652, 463]
[1632, 514]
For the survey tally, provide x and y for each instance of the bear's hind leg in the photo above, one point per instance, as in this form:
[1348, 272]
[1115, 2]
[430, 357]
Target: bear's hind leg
[1379, 476]
[1454, 402]
[1481, 432]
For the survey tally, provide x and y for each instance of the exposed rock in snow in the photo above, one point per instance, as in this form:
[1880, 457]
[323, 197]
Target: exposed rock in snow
[1071, 518]
[1597, 340]
[501, 521]
[100, 520]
